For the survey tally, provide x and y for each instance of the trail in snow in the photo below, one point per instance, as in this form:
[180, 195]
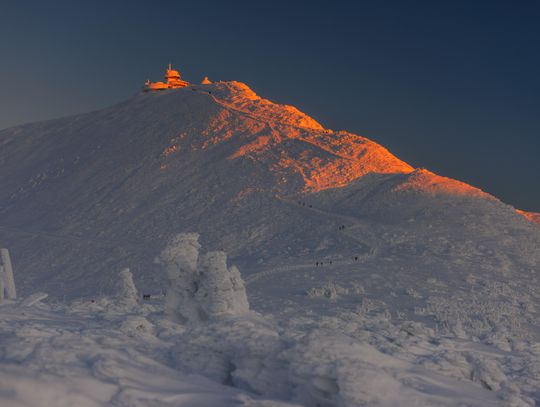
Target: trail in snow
[363, 232]
[352, 225]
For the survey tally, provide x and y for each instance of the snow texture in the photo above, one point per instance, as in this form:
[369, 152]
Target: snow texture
[367, 282]
[91, 354]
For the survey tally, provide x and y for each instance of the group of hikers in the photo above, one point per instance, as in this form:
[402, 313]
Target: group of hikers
[340, 227]
[304, 204]
[321, 263]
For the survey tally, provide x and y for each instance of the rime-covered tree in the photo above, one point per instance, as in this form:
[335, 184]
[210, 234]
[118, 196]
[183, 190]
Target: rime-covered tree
[200, 287]
[180, 258]
[127, 294]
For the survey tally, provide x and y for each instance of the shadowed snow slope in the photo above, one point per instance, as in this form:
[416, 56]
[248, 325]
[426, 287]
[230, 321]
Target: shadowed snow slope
[84, 196]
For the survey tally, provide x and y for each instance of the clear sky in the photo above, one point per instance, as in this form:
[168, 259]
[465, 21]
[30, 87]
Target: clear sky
[453, 86]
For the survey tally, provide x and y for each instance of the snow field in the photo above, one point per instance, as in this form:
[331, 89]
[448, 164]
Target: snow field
[102, 353]
[124, 351]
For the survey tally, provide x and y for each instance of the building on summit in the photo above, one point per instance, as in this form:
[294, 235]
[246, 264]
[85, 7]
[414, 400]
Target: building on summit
[172, 78]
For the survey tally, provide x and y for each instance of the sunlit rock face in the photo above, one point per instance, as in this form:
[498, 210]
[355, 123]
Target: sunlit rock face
[90, 194]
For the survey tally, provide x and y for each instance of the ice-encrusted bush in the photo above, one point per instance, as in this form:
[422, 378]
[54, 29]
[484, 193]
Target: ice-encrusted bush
[180, 259]
[127, 294]
[221, 289]
[6, 277]
[329, 290]
[241, 302]
[200, 287]
[332, 290]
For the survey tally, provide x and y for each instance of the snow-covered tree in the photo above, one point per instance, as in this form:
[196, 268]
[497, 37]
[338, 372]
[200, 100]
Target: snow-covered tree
[241, 303]
[200, 287]
[6, 275]
[215, 293]
[127, 294]
[180, 259]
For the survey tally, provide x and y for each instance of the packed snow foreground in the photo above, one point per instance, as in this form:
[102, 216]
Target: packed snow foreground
[200, 345]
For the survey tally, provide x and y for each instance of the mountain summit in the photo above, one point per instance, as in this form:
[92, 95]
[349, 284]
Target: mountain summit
[86, 195]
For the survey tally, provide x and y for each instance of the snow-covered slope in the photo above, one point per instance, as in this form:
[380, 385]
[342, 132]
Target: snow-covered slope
[375, 283]
[85, 195]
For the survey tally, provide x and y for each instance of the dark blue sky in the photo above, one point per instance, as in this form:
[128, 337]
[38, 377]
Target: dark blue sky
[453, 86]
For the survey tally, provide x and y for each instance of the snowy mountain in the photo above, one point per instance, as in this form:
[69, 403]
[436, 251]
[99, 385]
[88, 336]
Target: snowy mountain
[376, 283]
[85, 195]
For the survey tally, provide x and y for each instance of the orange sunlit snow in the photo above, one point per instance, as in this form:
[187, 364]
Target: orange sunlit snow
[532, 216]
[296, 150]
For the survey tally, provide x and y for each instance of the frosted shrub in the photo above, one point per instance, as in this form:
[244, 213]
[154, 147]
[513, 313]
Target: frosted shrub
[127, 292]
[221, 289]
[215, 293]
[329, 290]
[180, 259]
[241, 303]
[6, 275]
[200, 287]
